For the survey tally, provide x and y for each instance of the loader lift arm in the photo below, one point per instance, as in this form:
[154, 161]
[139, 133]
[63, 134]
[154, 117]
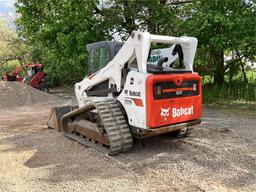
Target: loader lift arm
[137, 46]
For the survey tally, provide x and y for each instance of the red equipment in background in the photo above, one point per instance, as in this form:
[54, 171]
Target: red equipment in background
[14, 75]
[35, 76]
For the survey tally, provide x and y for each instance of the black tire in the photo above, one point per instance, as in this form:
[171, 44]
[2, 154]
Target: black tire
[44, 87]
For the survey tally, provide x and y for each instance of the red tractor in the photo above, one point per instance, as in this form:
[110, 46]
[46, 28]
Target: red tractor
[35, 76]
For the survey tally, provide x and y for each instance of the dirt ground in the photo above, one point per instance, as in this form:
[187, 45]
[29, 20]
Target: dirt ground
[219, 155]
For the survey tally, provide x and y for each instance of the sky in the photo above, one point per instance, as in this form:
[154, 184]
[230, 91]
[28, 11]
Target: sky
[7, 12]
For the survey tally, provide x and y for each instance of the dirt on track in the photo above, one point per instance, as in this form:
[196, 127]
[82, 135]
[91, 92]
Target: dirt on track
[219, 155]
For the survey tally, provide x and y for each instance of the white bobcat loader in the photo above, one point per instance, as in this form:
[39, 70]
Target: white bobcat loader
[133, 91]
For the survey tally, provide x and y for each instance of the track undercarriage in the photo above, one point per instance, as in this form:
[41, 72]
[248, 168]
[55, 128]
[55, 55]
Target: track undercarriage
[100, 125]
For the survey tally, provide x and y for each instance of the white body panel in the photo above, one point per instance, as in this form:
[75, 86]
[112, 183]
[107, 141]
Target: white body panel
[137, 45]
[137, 90]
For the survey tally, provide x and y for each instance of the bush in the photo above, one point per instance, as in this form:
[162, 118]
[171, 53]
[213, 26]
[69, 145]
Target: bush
[235, 91]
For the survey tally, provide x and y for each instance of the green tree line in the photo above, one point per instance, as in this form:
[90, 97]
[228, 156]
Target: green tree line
[57, 31]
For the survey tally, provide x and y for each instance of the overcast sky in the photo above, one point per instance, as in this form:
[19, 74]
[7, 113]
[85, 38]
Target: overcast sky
[7, 12]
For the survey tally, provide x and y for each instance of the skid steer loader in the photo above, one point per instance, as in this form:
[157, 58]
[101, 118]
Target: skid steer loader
[133, 91]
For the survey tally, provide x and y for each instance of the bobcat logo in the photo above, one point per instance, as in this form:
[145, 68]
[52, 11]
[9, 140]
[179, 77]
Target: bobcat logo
[164, 112]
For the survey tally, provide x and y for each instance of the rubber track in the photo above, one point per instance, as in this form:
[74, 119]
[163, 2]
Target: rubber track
[117, 129]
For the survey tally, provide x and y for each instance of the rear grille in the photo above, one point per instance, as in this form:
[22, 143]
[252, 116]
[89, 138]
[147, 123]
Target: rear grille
[168, 89]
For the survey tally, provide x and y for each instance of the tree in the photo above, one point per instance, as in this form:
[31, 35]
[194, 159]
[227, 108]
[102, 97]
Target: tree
[13, 51]
[223, 27]
[59, 32]
[128, 15]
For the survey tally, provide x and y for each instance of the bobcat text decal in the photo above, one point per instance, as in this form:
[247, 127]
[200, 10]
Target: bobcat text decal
[177, 112]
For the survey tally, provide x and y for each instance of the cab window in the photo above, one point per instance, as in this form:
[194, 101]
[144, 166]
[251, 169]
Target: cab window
[99, 59]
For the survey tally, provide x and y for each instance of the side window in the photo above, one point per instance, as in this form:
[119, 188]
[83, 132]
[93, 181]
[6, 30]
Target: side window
[99, 59]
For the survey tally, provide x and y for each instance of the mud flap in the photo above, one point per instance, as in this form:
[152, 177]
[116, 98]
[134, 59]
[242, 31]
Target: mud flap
[55, 115]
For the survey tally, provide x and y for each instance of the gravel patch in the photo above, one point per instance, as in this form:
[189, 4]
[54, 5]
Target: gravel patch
[219, 155]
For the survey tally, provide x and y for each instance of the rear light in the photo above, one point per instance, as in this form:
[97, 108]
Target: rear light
[194, 86]
[157, 90]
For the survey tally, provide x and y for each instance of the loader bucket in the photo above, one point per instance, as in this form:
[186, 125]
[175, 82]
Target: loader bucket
[55, 115]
